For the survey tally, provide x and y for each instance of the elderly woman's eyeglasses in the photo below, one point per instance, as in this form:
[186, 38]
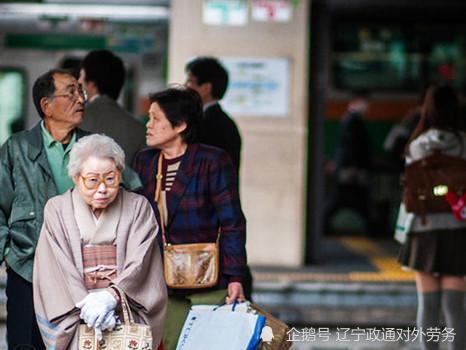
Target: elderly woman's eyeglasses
[74, 93]
[93, 182]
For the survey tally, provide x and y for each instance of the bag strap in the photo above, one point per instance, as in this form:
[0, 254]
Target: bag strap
[160, 204]
[158, 195]
[127, 315]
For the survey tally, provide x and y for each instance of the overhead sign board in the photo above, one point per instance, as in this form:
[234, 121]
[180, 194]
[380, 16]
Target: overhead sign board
[225, 12]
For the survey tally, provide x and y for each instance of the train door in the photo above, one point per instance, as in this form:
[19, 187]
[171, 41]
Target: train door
[13, 102]
[391, 49]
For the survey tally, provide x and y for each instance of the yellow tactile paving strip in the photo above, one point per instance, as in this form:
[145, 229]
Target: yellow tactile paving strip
[388, 268]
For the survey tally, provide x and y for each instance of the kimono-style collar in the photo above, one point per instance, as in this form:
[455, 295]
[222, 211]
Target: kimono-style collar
[104, 232]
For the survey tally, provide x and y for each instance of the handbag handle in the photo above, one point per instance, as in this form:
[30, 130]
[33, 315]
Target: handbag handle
[160, 206]
[127, 315]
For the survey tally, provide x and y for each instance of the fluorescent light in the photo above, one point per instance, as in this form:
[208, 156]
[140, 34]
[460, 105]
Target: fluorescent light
[147, 13]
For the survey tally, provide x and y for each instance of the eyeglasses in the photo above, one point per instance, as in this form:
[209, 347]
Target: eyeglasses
[74, 93]
[92, 182]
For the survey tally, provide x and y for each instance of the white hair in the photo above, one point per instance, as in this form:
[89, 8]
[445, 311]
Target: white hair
[95, 145]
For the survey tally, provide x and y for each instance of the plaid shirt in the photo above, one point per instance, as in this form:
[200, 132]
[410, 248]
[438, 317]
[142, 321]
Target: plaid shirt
[203, 198]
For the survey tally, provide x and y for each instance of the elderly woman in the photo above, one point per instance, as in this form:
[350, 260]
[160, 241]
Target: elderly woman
[196, 200]
[96, 236]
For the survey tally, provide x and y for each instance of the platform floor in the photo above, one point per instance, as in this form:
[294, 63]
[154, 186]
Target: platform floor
[357, 282]
[344, 259]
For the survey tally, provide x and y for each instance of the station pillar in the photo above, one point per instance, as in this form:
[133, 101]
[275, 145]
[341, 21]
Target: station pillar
[273, 161]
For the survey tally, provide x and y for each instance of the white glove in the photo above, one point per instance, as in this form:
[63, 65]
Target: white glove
[109, 321]
[95, 306]
[108, 324]
[98, 334]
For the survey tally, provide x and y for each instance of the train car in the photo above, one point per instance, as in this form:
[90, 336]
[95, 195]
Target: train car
[391, 49]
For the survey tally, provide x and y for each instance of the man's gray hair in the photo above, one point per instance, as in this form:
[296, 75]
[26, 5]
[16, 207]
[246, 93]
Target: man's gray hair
[95, 145]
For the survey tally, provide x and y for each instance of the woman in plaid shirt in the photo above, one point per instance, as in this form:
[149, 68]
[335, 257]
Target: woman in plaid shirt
[200, 191]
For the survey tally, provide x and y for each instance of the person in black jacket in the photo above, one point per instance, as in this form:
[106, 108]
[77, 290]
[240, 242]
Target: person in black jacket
[210, 79]
[351, 165]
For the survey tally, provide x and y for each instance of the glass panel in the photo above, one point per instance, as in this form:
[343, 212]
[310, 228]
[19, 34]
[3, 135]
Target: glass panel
[12, 102]
[397, 56]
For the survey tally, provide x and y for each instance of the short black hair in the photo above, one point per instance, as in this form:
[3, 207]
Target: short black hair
[209, 70]
[71, 64]
[180, 105]
[44, 86]
[106, 70]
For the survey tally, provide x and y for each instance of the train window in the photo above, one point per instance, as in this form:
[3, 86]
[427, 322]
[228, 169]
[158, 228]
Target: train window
[12, 101]
[397, 56]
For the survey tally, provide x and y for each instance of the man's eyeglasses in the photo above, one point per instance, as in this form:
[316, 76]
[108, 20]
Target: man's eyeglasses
[74, 93]
[93, 182]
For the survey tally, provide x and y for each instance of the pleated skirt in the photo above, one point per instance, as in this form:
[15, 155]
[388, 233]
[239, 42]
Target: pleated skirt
[438, 252]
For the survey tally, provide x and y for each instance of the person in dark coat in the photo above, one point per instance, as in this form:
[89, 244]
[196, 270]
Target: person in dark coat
[210, 79]
[351, 166]
[102, 75]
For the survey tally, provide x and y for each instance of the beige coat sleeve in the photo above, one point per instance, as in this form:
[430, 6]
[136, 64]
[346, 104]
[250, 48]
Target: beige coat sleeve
[141, 275]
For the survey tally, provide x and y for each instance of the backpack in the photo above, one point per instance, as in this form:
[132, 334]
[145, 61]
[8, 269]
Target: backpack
[428, 180]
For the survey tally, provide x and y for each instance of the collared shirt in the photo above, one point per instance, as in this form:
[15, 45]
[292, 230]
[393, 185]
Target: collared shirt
[91, 99]
[208, 104]
[58, 158]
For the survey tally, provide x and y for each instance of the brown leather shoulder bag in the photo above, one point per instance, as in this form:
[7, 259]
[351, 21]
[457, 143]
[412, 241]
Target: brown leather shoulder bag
[190, 265]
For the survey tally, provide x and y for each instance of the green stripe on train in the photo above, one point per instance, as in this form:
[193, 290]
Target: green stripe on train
[54, 41]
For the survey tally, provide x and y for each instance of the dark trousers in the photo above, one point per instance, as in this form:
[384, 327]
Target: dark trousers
[349, 196]
[247, 284]
[21, 325]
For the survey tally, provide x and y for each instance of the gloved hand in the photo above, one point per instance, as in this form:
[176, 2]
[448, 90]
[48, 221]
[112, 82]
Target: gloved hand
[108, 323]
[98, 334]
[95, 306]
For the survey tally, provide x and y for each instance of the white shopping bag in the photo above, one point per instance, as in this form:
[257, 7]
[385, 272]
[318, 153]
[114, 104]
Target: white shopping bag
[211, 328]
[403, 223]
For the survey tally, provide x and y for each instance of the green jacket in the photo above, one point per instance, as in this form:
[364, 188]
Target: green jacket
[26, 184]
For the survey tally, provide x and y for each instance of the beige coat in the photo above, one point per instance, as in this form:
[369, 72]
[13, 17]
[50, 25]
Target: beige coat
[58, 269]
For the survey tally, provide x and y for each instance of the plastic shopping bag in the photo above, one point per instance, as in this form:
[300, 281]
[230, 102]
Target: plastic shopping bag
[403, 223]
[210, 328]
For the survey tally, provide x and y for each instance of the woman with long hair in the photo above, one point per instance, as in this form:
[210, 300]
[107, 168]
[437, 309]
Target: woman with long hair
[435, 245]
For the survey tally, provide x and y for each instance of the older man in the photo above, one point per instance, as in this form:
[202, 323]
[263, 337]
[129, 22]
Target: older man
[32, 170]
